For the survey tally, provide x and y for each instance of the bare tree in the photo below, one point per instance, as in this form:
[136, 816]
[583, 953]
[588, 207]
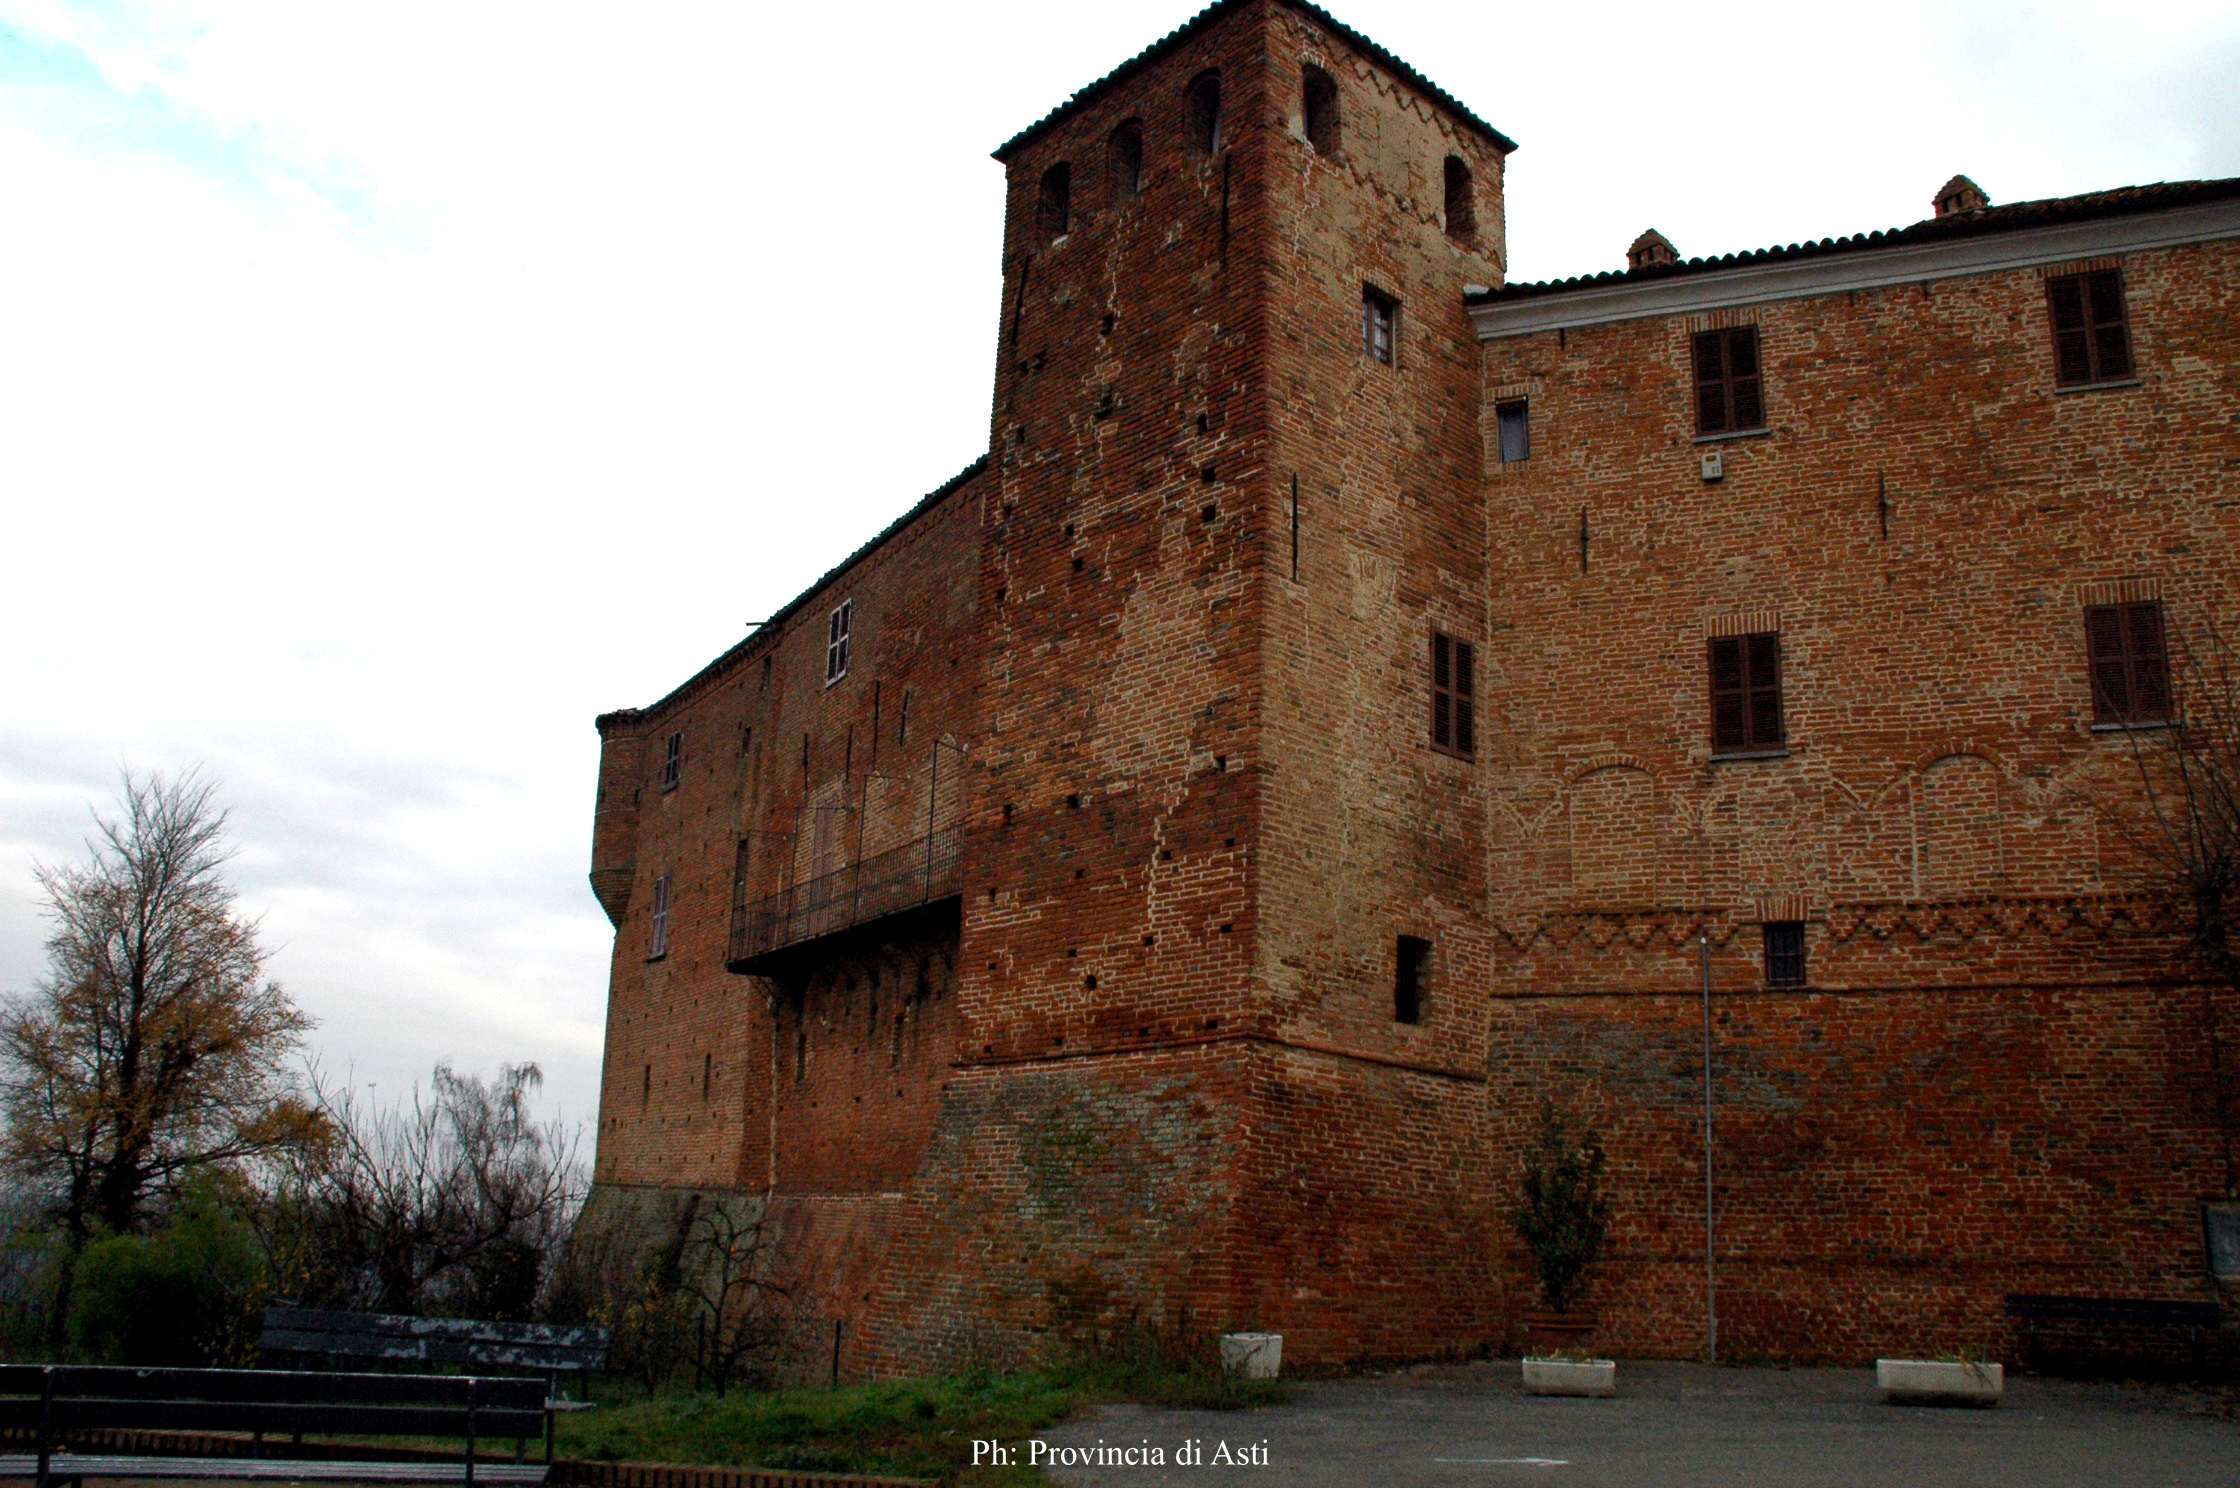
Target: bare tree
[2186, 833]
[155, 1045]
[456, 1202]
[731, 1290]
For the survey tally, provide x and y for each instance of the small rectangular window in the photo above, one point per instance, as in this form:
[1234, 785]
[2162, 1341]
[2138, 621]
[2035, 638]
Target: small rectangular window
[1411, 961]
[1746, 693]
[1454, 695]
[1729, 391]
[1380, 318]
[2091, 333]
[2220, 1234]
[836, 643]
[659, 945]
[672, 761]
[1516, 430]
[1785, 953]
[2130, 668]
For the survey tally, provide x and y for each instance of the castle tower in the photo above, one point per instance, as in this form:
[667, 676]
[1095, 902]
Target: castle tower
[1219, 899]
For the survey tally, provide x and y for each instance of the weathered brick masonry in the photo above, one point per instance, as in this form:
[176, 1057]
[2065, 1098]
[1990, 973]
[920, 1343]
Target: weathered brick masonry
[1034, 961]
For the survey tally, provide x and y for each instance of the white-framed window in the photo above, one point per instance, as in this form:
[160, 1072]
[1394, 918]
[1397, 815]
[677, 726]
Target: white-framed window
[660, 943]
[836, 643]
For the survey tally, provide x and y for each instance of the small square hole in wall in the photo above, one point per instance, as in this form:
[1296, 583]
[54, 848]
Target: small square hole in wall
[1208, 514]
[1077, 565]
[1221, 762]
[1206, 475]
[1090, 981]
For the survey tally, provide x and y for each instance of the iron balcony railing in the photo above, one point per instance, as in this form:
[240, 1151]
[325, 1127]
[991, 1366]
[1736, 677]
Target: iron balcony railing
[916, 873]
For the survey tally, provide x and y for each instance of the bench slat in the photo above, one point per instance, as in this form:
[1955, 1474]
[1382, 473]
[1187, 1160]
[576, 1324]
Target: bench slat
[2114, 1309]
[115, 1382]
[432, 1350]
[77, 1414]
[271, 1469]
[463, 1330]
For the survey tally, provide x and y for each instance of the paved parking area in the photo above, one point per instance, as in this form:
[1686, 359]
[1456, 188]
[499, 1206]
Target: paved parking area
[1675, 1424]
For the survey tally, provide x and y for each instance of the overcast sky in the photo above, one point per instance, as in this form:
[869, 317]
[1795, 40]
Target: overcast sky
[386, 389]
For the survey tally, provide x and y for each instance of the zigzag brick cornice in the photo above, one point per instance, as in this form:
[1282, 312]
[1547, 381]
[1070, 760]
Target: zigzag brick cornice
[2011, 917]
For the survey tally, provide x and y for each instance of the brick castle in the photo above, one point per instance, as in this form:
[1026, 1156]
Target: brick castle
[1163, 876]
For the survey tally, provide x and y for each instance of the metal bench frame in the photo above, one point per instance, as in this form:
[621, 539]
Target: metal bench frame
[73, 1397]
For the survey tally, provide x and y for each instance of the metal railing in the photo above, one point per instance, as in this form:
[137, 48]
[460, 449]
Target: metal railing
[918, 872]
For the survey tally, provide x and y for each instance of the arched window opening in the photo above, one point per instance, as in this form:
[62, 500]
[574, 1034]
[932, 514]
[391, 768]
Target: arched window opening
[1202, 113]
[1054, 213]
[1321, 93]
[1124, 158]
[1462, 207]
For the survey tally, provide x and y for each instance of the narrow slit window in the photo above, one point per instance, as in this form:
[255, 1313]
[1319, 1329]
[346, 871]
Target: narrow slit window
[836, 643]
[2091, 332]
[1380, 319]
[672, 761]
[1411, 962]
[1320, 105]
[1730, 394]
[1785, 953]
[2130, 665]
[1124, 161]
[659, 944]
[1746, 693]
[1201, 108]
[1054, 210]
[1515, 418]
[1454, 695]
[645, 1089]
[1462, 201]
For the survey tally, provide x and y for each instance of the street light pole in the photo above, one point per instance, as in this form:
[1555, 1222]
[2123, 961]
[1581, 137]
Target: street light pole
[1710, 1231]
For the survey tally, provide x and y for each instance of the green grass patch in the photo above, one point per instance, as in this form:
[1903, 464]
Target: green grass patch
[899, 1428]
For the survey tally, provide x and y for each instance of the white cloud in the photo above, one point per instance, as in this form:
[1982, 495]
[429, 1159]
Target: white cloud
[389, 389]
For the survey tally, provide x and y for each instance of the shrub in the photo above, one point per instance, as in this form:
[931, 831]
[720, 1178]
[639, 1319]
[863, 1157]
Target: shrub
[1563, 1216]
[184, 1297]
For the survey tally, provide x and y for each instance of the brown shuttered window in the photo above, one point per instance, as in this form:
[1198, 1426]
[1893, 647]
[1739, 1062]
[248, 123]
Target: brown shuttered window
[1729, 395]
[672, 761]
[2130, 667]
[2091, 336]
[1746, 693]
[1454, 695]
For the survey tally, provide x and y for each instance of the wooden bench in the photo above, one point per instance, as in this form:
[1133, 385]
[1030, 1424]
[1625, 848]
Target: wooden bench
[548, 1348]
[48, 1402]
[2103, 1315]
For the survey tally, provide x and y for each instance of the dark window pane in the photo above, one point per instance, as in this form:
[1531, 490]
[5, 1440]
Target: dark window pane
[1410, 957]
[1516, 432]
[1785, 953]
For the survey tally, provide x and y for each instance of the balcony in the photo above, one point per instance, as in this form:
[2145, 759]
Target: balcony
[920, 872]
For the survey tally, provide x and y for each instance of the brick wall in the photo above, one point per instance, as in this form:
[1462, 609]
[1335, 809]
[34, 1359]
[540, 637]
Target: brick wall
[1139, 1065]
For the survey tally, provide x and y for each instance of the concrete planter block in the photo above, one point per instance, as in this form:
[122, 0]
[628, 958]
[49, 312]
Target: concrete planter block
[1928, 1382]
[1253, 1355]
[1596, 1377]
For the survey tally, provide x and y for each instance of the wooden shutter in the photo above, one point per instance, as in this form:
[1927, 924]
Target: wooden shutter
[1711, 384]
[1465, 698]
[1744, 404]
[1454, 694]
[2111, 338]
[2130, 665]
[1729, 389]
[2091, 336]
[1442, 692]
[1745, 692]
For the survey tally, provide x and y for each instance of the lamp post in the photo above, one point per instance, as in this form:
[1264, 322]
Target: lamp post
[1710, 1226]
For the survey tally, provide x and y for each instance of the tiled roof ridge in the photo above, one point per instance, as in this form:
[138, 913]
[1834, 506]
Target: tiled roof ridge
[793, 607]
[2048, 211]
[1085, 96]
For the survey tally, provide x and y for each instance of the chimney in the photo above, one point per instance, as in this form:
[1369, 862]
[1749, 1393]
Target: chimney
[1960, 195]
[1649, 250]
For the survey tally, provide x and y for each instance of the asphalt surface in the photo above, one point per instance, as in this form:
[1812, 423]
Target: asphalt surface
[1679, 1424]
